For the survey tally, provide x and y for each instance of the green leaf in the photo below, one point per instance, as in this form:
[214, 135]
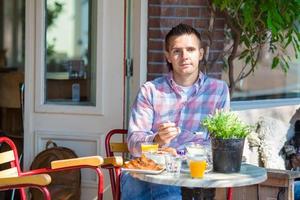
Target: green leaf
[270, 24]
[275, 62]
[288, 41]
[226, 125]
[244, 54]
[248, 58]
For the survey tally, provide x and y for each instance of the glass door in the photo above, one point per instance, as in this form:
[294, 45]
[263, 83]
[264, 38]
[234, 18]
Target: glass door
[74, 78]
[69, 61]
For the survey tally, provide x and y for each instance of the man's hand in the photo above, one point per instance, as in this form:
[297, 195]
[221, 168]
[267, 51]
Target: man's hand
[169, 150]
[166, 132]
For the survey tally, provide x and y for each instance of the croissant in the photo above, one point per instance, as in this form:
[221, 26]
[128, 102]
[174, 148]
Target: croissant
[142, 163]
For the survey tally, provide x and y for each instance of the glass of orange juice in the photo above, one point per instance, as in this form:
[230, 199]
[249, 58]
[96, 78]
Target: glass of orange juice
[197, 166]
[149, 147]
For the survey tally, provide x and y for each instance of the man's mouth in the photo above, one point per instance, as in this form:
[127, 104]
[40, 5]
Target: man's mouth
[185, 65]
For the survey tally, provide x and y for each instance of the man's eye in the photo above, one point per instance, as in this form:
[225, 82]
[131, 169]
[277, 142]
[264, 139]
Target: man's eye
[190, 49]
[176, 51]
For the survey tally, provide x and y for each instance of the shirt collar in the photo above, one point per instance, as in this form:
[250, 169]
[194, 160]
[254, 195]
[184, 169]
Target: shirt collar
[197, 84]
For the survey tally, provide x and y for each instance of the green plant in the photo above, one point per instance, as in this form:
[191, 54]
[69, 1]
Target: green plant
[254, 27]
[226, 125]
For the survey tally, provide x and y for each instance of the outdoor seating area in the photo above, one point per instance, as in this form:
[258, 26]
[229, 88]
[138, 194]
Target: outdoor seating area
[262, 150]
[272, 183]
[278, 183]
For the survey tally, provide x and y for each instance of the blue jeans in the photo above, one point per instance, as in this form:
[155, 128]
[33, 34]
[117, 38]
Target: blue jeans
[297, 190]
[135, 189]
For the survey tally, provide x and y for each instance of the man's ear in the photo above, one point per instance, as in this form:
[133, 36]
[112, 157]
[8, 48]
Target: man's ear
[201, 53]
[167, 55]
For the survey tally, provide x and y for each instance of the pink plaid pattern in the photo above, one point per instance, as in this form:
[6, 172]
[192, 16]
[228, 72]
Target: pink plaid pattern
[161, 100]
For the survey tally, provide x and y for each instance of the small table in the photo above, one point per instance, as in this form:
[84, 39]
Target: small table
[249, 175]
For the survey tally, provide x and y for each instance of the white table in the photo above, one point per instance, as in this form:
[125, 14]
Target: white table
[249, 175]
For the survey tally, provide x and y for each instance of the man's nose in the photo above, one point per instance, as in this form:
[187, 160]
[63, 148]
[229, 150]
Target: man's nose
[185, 54]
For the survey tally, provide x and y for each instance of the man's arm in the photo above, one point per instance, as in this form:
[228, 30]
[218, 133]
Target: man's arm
[140, 121]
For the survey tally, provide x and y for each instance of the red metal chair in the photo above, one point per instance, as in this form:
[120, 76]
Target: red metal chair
[114, 148]
[39, 181]
[14, 170]
[13, 178]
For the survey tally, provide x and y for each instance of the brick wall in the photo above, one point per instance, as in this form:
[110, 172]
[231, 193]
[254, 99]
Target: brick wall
[163, 15]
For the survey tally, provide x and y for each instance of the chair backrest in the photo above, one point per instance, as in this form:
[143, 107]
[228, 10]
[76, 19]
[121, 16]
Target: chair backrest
[10, 158]
[13, 173]
[114, 147]
[11, 176]
[115, 143]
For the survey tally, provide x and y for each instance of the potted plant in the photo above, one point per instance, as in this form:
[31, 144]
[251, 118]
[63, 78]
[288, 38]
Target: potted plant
[227, 133]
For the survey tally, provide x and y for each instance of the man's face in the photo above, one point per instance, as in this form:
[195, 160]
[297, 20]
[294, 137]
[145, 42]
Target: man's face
[184, 53]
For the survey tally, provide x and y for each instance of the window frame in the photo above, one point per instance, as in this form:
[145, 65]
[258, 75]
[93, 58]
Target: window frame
[40, 72]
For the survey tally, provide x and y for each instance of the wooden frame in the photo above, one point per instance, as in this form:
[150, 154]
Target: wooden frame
[279, 185]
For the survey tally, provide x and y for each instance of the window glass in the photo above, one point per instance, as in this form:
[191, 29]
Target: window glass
[12, 28]
[267, 83]
[68, 53]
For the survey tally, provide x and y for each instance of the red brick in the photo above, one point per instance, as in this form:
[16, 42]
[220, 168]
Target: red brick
[156, 57]
[172, 2]
[205, 12]
[217, 45]
[149, 77]
[158, 2]
[182, 12]
[154, 22]
[213, 55]
[216, 68]
[156, 34]
[173, 22]
[201, 23]
[158, 69]
[193, 12]
[154, 11]
[168, 11]
[219, 23]
[218, 35]
[178, 2]
[197, 2]
[155, 45]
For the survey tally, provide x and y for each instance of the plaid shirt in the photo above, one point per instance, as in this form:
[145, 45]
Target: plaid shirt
[162, 100]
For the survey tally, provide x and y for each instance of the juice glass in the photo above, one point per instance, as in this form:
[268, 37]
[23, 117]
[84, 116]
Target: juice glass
[197, 167]
[149, 147]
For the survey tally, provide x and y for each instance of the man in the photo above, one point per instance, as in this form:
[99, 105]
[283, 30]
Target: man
[169, 109]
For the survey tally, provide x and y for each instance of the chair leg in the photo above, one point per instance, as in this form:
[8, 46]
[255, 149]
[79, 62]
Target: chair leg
[23, 194]
[117, 186]
[229, 193]
[113, 183]
[46, 193]
[100, 184]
